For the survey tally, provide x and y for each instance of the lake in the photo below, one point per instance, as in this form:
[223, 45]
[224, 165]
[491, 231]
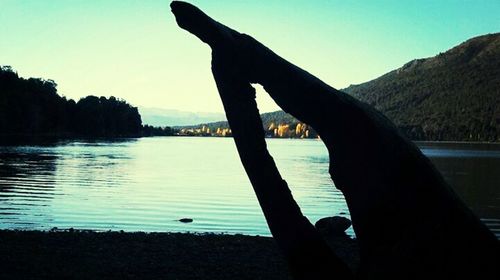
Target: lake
[148, 184]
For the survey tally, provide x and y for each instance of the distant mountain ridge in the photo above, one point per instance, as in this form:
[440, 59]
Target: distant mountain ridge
[168, 117]
[268, 119]
[453, 96]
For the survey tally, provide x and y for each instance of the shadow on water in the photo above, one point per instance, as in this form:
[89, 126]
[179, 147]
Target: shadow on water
[25, 165]
[52, 141]
[476, 180]
[18, 140]
[27, 186]
[473, 170]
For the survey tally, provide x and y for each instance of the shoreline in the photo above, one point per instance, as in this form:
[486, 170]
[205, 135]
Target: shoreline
[11, 138]
[456, 142]
[85, 254]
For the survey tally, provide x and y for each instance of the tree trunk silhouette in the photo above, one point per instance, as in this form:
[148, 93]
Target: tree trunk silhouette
[408, 222]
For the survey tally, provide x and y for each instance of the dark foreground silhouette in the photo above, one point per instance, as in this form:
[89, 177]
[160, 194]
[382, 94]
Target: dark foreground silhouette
[73, 254]
[409, 223]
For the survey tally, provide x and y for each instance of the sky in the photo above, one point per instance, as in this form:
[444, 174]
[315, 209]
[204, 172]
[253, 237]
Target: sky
[134, 50]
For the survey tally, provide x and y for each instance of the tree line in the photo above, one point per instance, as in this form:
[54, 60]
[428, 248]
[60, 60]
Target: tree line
[33, 107]
[454, 96]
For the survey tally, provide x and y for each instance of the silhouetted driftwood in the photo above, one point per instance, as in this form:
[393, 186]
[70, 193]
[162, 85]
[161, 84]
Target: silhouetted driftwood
[409, 223]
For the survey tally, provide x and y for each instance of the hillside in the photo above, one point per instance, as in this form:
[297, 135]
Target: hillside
[454, 96]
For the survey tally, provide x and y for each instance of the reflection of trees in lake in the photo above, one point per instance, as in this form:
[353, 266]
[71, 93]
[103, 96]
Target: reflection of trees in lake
[27, 183]
[26, 170]
[476, 180]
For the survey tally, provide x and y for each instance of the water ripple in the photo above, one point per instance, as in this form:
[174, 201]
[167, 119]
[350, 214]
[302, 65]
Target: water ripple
[148, 184]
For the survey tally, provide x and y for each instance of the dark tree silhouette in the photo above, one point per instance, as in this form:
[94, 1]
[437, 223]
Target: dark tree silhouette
[30, 107]
[409, 223]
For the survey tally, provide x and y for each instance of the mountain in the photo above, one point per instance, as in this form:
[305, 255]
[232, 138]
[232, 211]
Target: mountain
[166, 117]
[454, 95]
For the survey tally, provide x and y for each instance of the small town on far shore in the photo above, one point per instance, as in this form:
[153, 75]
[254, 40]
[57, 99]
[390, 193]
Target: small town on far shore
[297, 130]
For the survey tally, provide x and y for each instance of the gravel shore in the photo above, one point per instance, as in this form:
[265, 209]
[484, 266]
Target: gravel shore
[72, 254]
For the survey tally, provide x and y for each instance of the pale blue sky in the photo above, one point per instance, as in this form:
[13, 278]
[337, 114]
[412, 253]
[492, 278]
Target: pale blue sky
[135, 51]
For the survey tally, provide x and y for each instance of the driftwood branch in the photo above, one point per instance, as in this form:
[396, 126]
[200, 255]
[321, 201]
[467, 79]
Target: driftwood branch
[307, 253]
[409, 223]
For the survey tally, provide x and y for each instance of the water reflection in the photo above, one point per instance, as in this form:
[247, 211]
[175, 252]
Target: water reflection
[473, 170]
[148, 184]
[26, 171]
[26, 187]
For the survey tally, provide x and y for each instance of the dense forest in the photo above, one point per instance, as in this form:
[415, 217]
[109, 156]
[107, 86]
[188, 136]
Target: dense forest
[33, 107]
[454, 96]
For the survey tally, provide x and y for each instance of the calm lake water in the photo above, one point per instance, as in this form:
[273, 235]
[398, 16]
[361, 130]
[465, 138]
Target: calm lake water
[148, 184]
